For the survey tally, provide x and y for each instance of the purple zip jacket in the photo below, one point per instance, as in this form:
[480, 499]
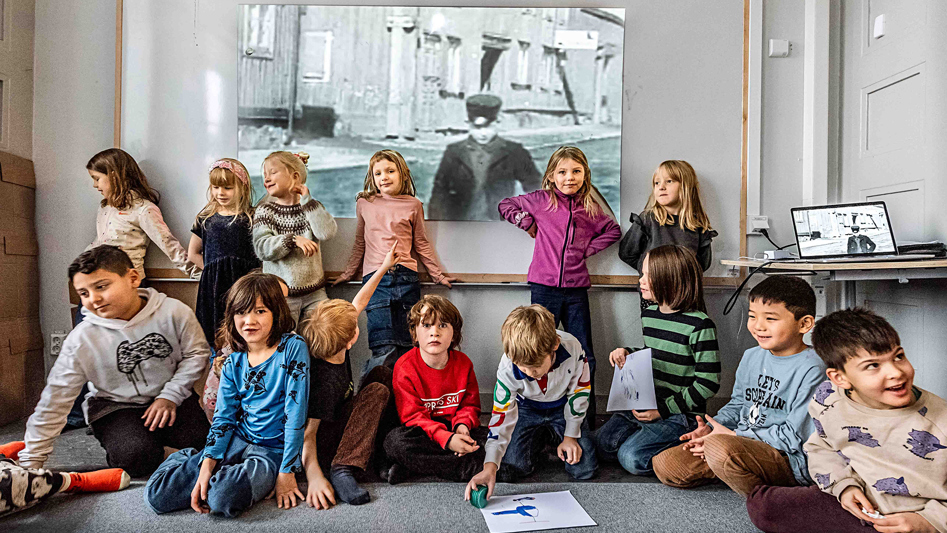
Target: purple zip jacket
[565, 237]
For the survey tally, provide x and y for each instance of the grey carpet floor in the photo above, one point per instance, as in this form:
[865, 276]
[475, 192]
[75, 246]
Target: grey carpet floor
[615, 500]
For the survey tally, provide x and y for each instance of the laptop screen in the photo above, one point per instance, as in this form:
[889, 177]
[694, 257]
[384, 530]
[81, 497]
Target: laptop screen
[843, 230]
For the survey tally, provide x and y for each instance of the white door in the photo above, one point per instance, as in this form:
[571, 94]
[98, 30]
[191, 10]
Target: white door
[894, 149]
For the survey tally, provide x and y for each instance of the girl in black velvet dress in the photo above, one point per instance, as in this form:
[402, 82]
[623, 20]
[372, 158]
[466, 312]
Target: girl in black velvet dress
[221, 243]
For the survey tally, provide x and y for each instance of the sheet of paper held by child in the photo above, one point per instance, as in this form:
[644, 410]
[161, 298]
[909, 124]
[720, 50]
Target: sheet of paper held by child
[633, 385]
[532, 512]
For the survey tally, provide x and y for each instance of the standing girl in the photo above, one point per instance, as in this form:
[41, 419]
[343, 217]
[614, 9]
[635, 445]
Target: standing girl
[255, 442]
[569, 226]
[221, 243]
[388, 213]
[673, 215]
[684, 361]
[287, 231]
[129, 217]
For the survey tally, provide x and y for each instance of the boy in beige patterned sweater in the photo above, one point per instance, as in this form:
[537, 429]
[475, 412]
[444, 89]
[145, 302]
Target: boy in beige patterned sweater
[878, 450]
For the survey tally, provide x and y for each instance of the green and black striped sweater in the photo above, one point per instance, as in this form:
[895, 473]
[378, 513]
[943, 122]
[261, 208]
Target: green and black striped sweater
[684, 359]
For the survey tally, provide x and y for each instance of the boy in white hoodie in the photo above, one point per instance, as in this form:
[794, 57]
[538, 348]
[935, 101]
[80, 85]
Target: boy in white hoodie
[142, 353]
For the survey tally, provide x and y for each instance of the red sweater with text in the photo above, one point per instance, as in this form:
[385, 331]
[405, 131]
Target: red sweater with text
[437, 401]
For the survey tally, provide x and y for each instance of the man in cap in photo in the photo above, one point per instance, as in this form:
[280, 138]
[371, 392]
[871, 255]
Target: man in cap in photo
[479, 171]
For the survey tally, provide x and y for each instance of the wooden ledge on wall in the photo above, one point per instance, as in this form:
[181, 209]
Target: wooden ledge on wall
[175, 275]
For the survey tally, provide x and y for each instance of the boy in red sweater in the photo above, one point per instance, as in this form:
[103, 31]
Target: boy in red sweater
[438, 400]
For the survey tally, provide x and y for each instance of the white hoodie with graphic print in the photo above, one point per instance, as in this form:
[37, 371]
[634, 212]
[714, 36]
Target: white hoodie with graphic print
[159, 353]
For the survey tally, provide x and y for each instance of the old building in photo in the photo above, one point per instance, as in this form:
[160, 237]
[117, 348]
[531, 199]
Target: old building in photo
[343, 81]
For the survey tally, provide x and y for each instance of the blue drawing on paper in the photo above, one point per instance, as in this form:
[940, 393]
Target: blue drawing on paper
[629, 386]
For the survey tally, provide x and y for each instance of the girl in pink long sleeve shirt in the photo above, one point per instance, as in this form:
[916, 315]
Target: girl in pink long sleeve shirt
[387, 213]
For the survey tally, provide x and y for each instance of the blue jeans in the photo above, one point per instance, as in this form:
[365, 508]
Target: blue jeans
[571, 307]
[388, 335]
[519, 460]
[245, 475]
[635, 443]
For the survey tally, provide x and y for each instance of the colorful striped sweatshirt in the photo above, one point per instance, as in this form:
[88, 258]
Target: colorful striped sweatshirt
[684, 359]
[567, 385]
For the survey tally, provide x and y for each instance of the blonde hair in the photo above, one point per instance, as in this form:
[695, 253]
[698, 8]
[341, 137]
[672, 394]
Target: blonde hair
[433, 308]
[224, 177]
[127, 182]
[692, 214]
[584, 193]
[370, 190]
[529, 335]
[293, 162]
[329, 327]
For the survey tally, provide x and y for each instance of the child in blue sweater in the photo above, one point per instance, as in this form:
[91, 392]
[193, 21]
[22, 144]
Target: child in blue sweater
[757, 437]
[255, 442]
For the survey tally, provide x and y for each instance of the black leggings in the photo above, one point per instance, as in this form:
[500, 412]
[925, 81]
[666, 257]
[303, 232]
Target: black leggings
[130, 446]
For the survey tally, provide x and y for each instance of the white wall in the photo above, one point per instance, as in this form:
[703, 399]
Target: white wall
[682, 100]
[72, 120]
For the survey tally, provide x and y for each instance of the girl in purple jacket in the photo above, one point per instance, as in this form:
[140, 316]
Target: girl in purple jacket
[569, 226]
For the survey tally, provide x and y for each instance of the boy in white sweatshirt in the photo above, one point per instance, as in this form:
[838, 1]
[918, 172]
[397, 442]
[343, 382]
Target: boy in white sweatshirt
[542, 382]
[142, 353]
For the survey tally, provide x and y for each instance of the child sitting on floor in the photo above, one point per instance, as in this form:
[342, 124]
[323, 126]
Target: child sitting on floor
[542, 382]
[342, 429]
[757, 437]
[255, 443]
[438, 400]
[877, 451]
[142, 352]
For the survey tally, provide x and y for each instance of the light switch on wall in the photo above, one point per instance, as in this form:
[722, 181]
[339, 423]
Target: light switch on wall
[779, 48]
[879, 30]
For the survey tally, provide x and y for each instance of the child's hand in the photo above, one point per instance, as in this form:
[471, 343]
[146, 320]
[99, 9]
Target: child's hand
[902, 522]
[462, 429]
[647, 416]
[300, 189]
[320, 494]
[487, 476]
[308, 247]
[617, 357]
[702, 430]
[569, 450]
[853, 500]
[199, 493]
[446, 280]
[696, 445]
[159, 414]
[341, 279]
[532, 230]
[462, 444]
[392, 258]
[287, 490]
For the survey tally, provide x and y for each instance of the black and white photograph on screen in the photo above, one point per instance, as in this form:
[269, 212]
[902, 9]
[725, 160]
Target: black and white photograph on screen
[475, 99]
[843, 230]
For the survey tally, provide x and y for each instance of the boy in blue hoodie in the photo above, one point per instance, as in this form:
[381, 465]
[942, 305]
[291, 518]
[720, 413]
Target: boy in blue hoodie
[757, 437]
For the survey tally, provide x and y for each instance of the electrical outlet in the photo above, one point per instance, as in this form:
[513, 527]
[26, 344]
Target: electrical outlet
[55, 342]
[755, 223]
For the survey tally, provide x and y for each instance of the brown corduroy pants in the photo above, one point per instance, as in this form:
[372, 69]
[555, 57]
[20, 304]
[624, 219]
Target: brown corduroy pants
[740, 462]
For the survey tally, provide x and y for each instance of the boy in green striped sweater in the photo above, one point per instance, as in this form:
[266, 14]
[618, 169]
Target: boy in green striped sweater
[684, 360]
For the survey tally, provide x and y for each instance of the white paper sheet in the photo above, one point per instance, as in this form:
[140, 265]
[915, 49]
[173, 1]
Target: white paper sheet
[533, 512]
[633, 384]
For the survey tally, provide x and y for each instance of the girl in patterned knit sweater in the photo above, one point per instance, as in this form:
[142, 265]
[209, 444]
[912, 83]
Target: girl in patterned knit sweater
[287, 231]
[388, 213]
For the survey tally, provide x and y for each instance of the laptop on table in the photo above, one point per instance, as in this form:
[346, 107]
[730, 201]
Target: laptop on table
[853, 232]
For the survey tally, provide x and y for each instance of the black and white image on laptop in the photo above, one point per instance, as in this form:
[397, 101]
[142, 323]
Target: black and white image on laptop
[843, 230]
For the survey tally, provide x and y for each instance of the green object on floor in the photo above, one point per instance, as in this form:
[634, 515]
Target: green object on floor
[478, 497]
